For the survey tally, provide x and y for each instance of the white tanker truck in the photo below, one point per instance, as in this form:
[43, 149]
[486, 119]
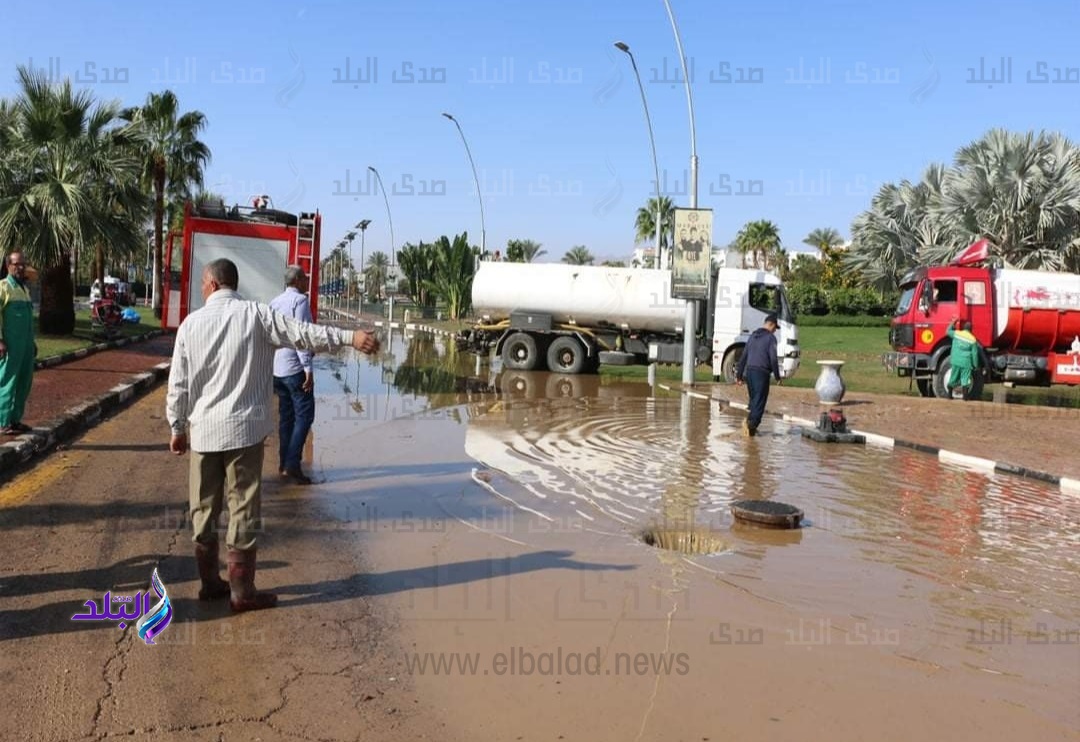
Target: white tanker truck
[569, 319]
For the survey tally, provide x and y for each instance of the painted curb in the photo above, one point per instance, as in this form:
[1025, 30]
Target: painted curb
[96, 348]
[985, 466]
[78, 419]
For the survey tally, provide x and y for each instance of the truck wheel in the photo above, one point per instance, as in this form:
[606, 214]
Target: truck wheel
[942, 376]
[731, 360]
[520, 353]
[566, 355]
[926, 387]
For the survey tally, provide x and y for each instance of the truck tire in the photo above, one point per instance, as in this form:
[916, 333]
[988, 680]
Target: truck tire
[944, 369]
[520, 352]
[731, 359]
[566, 355]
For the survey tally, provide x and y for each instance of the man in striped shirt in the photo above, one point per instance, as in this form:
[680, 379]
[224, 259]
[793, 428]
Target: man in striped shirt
[218, 407]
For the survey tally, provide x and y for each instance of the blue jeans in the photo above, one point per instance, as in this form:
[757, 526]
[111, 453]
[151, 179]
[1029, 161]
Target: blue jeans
[757, 383]
[296, 413]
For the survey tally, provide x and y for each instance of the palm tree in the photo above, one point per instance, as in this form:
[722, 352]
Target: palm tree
[66, 171]
[761, 239]
[902, 227]
[376, 272]
[418, 268]
[829, 243]
[1022, 193]
[578, 255]
[645, 222]
[823, 237]
[173, 160]
[453, 274]
[523, 251]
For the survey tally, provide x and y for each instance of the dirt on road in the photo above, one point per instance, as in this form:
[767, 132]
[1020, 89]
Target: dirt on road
[100, 515]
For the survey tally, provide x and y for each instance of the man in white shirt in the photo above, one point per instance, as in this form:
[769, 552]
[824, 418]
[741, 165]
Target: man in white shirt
[218, 406]
[294, 383]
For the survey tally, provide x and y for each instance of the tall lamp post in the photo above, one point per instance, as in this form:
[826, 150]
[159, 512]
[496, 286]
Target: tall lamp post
[479, 196]
[362, 226]
[689, 332]
[340, 271]
[393, 253]
[349, 272]
[652, 143]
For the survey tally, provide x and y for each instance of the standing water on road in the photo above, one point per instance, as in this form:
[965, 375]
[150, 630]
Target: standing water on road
[975, 571]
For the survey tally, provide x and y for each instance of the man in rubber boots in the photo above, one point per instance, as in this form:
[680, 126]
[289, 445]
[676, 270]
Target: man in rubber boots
[16, 345]
[219, 394]
[758, 361]
[964, 357]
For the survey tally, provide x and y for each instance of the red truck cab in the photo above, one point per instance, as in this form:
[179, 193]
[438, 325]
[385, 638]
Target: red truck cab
[1027, 324]
[930, 300]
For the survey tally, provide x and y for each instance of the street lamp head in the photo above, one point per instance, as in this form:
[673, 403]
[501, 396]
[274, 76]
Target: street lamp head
[369, 167]
[448, 116]
[622, 47]
[362, 225]
[350, 236]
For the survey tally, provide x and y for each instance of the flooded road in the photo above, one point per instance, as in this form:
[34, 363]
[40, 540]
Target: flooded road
[952, 592]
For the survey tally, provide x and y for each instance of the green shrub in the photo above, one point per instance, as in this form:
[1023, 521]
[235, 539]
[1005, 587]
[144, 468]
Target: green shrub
[807, 299]
[844, 320]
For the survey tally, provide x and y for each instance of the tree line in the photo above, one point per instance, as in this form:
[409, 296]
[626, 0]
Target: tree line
[84, 177]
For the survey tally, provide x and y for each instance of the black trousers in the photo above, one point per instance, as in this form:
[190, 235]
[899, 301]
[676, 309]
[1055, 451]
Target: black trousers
[757, 383]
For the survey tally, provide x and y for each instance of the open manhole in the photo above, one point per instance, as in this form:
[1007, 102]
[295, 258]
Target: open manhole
[684, 540]
[767, 513]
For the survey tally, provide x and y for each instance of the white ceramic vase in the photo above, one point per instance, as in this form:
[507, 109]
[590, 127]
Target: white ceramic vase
[830, 384]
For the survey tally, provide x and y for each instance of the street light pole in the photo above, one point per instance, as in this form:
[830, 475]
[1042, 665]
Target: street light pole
[689, 332]
[349, 272]
[483, 229]
[393, 254]
[652, 143]
[362, 226]
[340, 270]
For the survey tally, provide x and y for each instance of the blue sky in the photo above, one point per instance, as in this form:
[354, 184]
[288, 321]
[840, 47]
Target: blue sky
[840, 97]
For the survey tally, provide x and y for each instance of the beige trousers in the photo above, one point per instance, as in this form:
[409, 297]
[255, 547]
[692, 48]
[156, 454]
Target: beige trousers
[234, 475]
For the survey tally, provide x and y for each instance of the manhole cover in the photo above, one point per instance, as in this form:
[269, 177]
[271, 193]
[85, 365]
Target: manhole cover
[767, 513]
[686, 541]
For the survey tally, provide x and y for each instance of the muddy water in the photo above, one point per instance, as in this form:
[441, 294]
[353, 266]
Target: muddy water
[973, 580]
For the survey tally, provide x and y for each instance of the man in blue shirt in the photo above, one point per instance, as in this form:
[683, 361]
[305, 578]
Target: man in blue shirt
[294, 383]
[758, 361]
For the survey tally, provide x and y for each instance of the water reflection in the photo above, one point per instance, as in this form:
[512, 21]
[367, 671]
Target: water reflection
[889, 533]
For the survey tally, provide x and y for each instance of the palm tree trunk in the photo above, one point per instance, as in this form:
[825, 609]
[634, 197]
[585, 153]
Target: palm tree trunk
[99, 265]
[57, 313]
[159, 217]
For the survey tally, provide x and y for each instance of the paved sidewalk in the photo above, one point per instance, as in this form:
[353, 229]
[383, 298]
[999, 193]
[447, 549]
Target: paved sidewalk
[69, 397]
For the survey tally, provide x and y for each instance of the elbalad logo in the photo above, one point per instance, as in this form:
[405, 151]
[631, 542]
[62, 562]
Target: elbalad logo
[153, 621]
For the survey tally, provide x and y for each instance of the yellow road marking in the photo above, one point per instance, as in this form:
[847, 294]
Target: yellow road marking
[28, 483]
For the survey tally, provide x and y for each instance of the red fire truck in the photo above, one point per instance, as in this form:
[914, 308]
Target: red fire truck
[262, 242]
[1027, 322]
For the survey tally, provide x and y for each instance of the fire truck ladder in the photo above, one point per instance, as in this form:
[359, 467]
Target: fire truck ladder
[305, 241]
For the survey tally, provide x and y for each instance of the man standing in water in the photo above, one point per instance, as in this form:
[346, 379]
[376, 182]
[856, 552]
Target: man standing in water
[218, 406]
[759, 359]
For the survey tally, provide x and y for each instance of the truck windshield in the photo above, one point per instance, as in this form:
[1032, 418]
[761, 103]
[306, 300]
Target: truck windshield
[770, 297]
[906, 297]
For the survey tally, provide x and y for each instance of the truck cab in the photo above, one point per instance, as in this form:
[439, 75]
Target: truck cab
[930, 300]
[743, 298]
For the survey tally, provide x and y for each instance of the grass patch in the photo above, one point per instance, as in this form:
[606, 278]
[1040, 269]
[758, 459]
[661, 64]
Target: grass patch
[85, 335]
